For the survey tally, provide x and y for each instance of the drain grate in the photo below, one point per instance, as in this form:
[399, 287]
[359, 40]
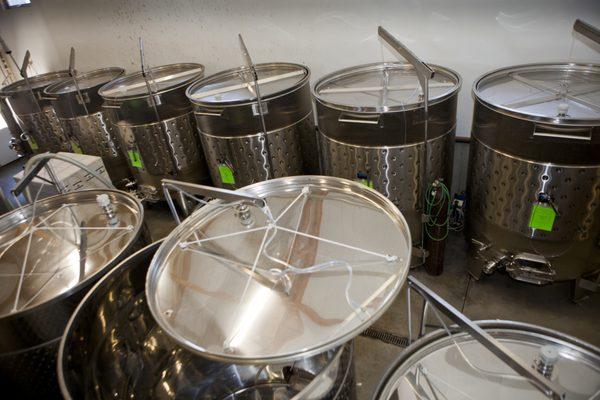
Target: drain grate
[386, 337]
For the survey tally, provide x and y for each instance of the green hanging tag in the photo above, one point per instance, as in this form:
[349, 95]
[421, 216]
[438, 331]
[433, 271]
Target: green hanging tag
[542, 217]
[32, 143]
[135, 158]
[76, 148]
[226, 174]
[368, 183]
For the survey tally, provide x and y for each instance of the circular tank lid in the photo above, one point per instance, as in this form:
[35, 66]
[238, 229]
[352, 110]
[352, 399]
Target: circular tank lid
[458, 367]
[85, 81]
[59, 243]
[383, 87]
[553, 93]
[36, 82]
[313, 269]
[161, 79]
[236, 86]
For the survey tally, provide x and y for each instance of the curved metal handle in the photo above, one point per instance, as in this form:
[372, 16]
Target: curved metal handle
[109, 106]
[581, 134]
[371, 119]
[216, 113]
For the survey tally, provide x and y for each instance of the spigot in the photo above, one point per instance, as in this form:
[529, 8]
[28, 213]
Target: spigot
[104, 202]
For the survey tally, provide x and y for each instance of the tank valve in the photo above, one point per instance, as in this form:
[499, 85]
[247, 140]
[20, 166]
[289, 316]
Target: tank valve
[104, 202]
[563, 109]
[544, 363]
[243, 213]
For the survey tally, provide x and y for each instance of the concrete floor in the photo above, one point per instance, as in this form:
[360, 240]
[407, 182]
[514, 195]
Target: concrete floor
[494, 297]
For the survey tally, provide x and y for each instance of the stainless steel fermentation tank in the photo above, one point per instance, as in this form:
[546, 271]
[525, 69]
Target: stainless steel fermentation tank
[534, 184]
[51, 254]
[371, 129]
[17, 143]
[114, 347]
[34, 112]
[158, 131]
[454, 365]
[85, 121]
[237, 150]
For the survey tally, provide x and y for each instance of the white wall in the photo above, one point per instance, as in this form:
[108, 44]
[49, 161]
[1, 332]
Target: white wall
[470, 36]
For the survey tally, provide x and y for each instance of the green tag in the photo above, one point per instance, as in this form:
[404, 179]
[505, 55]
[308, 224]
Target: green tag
[76, 148]
[135, 158]
[226, 174]
[542, 217]
[366, 182]
[32, 143]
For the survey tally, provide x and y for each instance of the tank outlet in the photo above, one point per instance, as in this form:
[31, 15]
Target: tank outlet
[547, 358]
[104, 202]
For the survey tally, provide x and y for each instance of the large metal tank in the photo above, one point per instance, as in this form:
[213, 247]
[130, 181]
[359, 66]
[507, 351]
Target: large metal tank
[534, 184]
[237, 150]
[85, 121]
[456, 366]
[34, 112]
[113, 347]
[16, 143]
[371, 129]
[51, 252]
[158, 132]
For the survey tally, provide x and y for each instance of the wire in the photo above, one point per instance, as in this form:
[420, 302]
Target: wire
[431, 203]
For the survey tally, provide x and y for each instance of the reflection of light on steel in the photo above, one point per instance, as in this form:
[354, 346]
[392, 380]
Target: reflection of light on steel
[252, 312]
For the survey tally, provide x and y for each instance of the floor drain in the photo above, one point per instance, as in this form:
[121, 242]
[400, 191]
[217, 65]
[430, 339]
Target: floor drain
[386, 337]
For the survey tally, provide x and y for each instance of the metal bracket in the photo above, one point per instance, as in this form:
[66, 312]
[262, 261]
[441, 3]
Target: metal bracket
[587, 30]
[194, 189]
[23, 183]
[543, 384]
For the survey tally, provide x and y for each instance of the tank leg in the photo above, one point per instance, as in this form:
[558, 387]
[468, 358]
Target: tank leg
[585, 286]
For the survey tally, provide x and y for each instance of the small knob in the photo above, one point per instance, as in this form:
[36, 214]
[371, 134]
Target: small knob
[563, 109]
[103, 200]
[549, 355]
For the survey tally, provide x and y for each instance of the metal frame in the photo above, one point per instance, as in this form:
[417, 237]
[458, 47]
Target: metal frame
[544, 385]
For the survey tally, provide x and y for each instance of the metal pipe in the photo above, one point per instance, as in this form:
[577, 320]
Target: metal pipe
[548, 388]
[587, 30]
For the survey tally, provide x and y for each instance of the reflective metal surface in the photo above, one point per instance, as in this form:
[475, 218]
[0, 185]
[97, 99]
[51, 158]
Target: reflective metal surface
[308, 272]
[371, 129]
[85, 121]
[229, 122]
[35, 114]
[13, 126]
[50, 254]
[112, 347]
[458, 367]
[518, 163]
[158, 142]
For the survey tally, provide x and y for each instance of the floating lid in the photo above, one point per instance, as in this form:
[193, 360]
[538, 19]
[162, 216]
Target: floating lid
[85, 81]
[36, 82]
[383, 87]
[162, 79]
[236, 86]
[61, 242]
[244, 287]
[458, 367]
[554, 93]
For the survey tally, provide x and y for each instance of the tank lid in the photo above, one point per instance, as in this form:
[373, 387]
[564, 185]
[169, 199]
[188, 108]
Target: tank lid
[552, 93]
[161, 79]
[383, 87]
[439, 366]
[36, 82]
[85, 81]
[236, 86]
[310, 271]
[61, 242]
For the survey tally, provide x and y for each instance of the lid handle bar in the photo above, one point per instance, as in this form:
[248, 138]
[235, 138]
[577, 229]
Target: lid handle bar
[587, 30]
[73, 75]
[261, 111]
[424, 74]
[195, 189]
[543, 384]
[146, 73]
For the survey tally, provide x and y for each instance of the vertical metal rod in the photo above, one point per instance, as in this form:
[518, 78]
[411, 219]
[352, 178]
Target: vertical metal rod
[548, 388]
[166, 135]
[424, 74]
[251, 67]
[409, 316]
[73, 74]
